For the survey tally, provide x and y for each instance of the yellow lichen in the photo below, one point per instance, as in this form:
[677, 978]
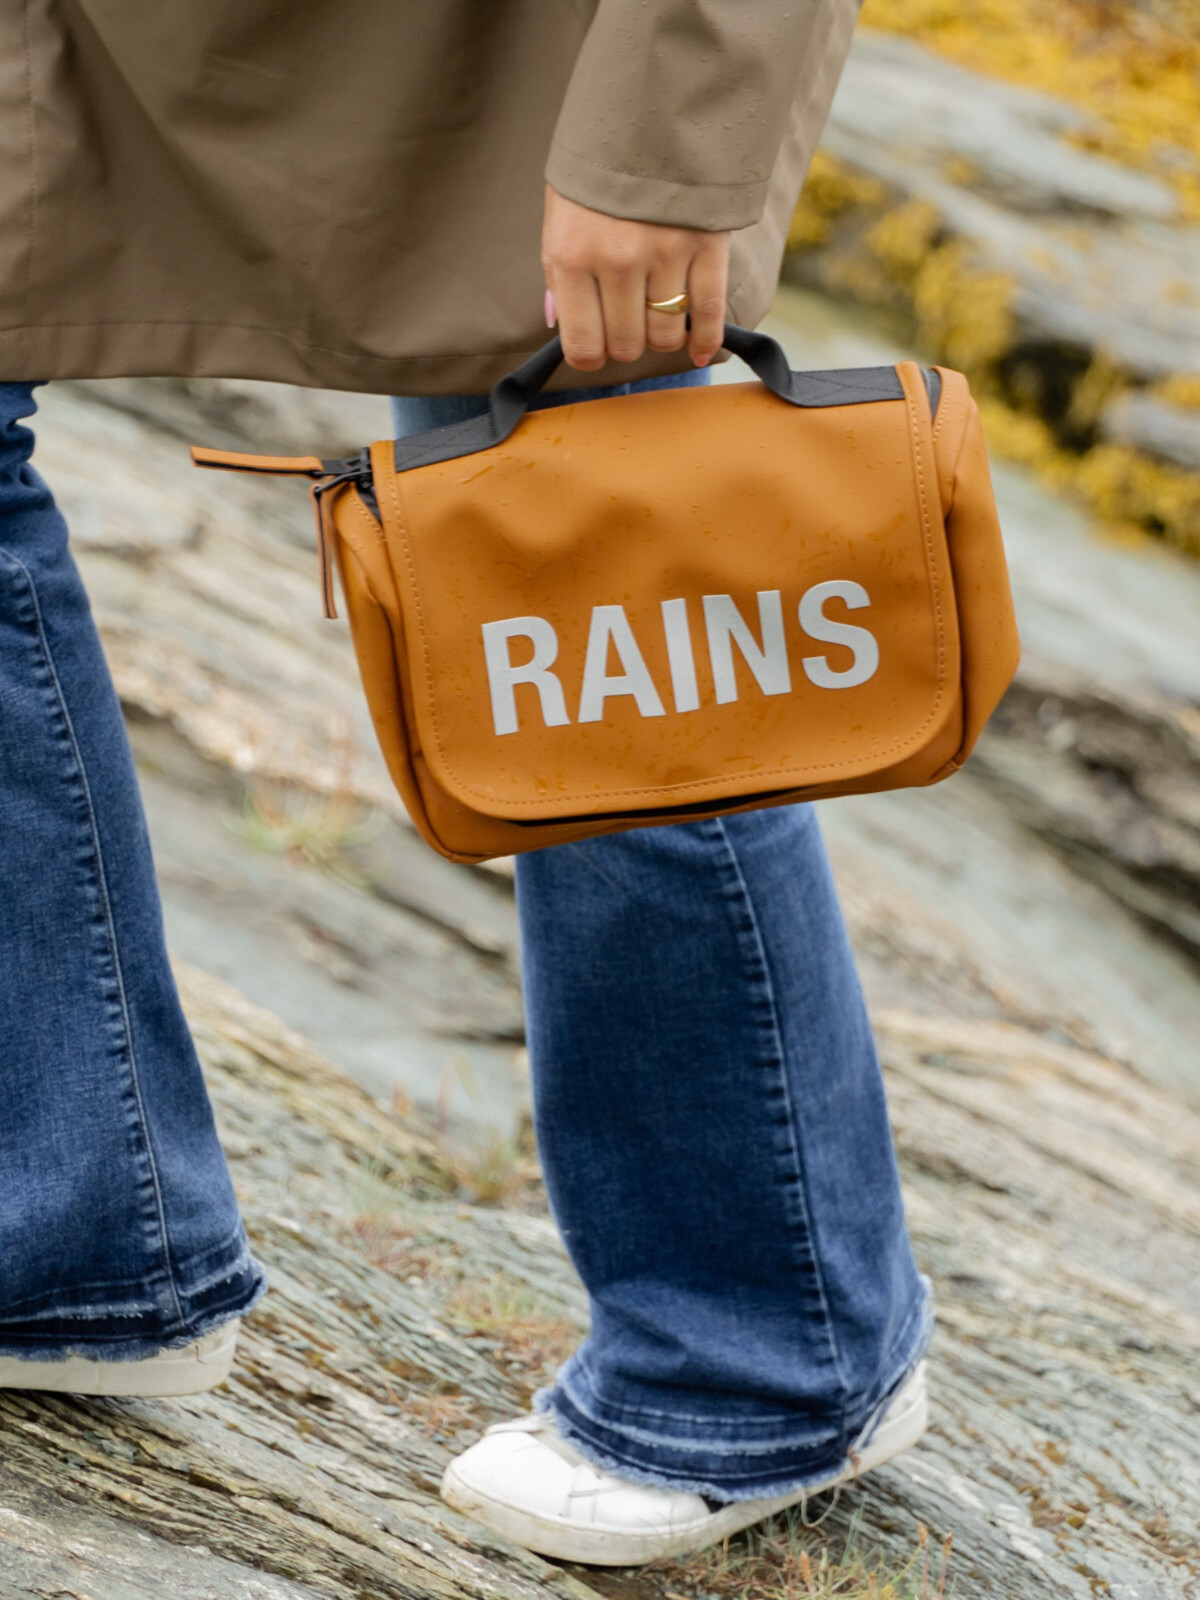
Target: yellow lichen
[830, 189]
[903, 238]
[1131, 496]
[963, 311]
[1123, 486]
[1134, 67]
[1016, 436]
[1181, 390]
[881, 250]
[1097, 388]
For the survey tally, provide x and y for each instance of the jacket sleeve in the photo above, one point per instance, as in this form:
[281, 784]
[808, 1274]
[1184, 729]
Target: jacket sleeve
[676, 109]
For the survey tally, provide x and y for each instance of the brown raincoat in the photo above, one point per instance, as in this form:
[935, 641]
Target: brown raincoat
[348, 193]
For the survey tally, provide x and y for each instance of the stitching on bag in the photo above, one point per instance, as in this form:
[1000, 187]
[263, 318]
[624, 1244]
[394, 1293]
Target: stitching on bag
[934, 587]
[377, 532]
[833, 381]
[962, 440]
[942, 409]
[704, 785]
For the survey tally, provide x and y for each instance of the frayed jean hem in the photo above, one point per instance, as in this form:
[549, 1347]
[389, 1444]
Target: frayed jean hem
[790, 1467]
[67, 1338]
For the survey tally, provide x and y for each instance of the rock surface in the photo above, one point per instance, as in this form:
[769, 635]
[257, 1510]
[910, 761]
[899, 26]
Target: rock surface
[1160, 429]
[1097, 256]
[1054, 1197]
[1089, 260]
[897, 95]
[1028, 953]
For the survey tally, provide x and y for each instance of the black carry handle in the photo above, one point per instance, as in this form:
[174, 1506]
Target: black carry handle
[510, 398]
[762, 354]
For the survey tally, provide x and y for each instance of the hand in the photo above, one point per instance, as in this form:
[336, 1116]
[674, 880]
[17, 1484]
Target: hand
[601, 270]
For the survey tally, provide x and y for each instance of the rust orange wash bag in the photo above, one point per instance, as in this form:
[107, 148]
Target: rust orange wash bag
[672, 604]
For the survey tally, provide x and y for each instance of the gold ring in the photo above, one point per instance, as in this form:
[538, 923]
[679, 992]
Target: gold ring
[674, 307]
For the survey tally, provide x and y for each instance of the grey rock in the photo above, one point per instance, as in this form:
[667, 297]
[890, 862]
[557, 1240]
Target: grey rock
[1053, 1196]
[895, 95]
[1172, 433]
[1097, 257]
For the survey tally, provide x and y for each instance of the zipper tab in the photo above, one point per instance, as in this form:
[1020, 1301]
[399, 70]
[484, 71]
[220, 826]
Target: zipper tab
[239, 461]
[356, 471]
[324, 476]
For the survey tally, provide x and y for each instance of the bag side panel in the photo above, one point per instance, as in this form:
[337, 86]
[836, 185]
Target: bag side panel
[376, 633]
[991, 646]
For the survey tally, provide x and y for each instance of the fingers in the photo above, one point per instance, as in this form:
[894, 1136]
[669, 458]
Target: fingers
[580, 320]
[665, 331]
[622, 282]
[708, 286]
[601, 270]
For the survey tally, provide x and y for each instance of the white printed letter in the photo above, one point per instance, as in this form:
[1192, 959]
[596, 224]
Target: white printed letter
[726, 624]
[679, 654]
[503, 676]
[611, 625]
[818, 626]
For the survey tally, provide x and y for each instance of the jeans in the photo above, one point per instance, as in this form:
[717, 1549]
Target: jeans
[708, 1103]
[119, 1232]
[712, 1127]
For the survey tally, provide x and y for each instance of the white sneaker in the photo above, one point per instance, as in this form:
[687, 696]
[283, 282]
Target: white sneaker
[192, 1369]
[523, 1481]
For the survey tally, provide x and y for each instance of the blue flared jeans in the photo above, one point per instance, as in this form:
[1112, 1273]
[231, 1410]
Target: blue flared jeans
[708, 1103]
[119, 1232]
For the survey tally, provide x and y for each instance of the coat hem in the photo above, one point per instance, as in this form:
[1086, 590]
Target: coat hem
[39, 353]
[713, 207]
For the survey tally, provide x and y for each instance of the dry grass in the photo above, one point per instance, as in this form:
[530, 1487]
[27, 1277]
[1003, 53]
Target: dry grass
[529, 1336]
[378, 1229]
[496, 1172]
[441, 1416]
[785, 1559]
[311, 829]
[388, 1244]
[489, 1169]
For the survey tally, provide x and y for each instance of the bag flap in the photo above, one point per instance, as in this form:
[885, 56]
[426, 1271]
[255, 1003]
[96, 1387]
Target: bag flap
[670, 598]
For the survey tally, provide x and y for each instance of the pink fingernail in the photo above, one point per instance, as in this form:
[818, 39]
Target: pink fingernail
[551, 309]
